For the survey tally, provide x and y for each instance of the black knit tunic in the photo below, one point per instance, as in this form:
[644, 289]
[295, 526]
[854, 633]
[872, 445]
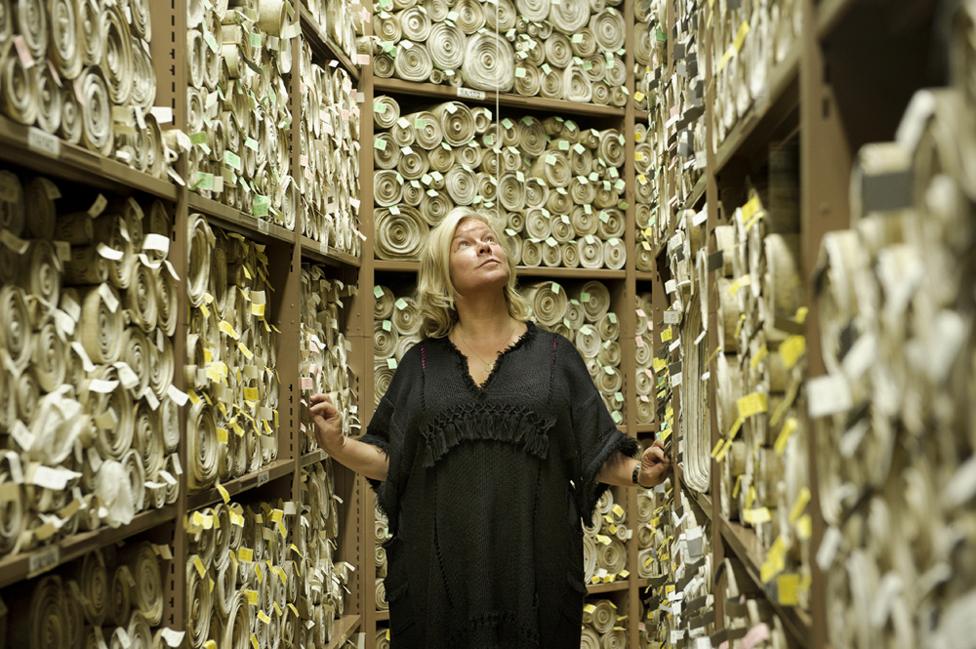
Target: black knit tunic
[485, 494]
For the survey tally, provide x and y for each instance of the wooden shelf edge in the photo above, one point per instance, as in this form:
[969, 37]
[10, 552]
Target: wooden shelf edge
[781, 78]
[411, 266]
[383, 616]
[700, 500]
[641, 116]
[312, 457]
[319, 40]
[19, 567]
[613, 587]
[743, 544]
[233, 219]
[645, 276]
[643, 429]
[313, 251]
[830, 13]
[75, 163]
[247, 482]
[509, 100]
[343, 628]
[697, 192]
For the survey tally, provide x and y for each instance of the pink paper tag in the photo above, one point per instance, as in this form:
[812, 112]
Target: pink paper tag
[23, 51]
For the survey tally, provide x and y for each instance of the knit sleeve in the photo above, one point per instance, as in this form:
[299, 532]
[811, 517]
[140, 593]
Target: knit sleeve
[594, 431]
[387, 431]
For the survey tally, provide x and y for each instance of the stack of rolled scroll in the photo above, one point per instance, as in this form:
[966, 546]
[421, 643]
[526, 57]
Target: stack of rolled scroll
[381, 527]
[762, 453]
[396, 328]
[650, 53]
[83, 71]
[683, 345]
[570, 49]
[749, 617]
[684, 97]
[604, 542]
[265, 572]
[650, 511]
[748, 40]
[231, 357]
[554, 188]
[321, 595]
[692, 603]
[584, 317]
[238, 112]
[329, 156]
[324, 362]
[649, 191]
[645, 377]
[339, 20]
[109, 597]
[88, 312]
[604, 626]
[896, 311]
[654, 559]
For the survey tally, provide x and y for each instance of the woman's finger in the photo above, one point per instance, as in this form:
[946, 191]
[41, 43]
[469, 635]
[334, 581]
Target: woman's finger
[317, 397]
[323, 409]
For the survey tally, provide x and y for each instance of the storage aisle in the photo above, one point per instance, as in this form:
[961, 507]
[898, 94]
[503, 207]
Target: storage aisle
[755, 221]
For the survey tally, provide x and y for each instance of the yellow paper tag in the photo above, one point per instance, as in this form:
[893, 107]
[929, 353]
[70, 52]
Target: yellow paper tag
[789, 427]
[251, 394]
[264, 617]
[666, 335]
[210, 644]
[198, 564]
[788, 589]
[257, 310]
[760, 356]
[804, 528]
[236, 519]
[223, 493]
[740, 37]
[245, 554]
[251, 596]
[752, 404]
[799, 505]
[791, 350]
[757, 516]
[221, 435]
[618, 510]
[254, 642]
[227, 328]
[259, 573]
[248, 354]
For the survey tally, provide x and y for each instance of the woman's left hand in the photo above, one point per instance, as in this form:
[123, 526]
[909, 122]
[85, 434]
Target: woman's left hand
[655, 465]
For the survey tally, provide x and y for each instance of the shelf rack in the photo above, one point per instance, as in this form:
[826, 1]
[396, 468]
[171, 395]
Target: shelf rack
[801, 97]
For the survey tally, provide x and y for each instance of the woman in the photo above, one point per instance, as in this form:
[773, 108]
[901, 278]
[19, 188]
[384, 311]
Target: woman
[487, 449]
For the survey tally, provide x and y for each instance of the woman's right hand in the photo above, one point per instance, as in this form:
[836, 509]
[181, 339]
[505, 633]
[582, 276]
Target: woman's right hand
[328, 423]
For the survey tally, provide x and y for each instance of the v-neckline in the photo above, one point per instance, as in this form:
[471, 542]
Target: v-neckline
[482, 388]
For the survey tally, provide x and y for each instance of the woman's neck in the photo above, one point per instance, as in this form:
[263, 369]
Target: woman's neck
[484, 317]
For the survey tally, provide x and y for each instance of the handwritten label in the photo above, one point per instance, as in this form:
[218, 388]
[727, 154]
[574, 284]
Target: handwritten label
[43, 560]
[44, 143]
[468, 93]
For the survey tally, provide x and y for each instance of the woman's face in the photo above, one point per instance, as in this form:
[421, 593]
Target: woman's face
[478, 259]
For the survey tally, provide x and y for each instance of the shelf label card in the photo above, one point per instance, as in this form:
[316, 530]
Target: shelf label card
[468, 93]
[44, 143]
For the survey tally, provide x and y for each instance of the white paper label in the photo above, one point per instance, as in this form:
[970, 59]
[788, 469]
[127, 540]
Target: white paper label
[44, 143]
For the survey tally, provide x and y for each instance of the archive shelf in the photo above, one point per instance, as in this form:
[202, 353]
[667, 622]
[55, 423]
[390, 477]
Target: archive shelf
[318, 252]
[342, 630]
[508, 100]
[29, 564]
[764, 121]
[408, 266]
[324, 46]
[229, 218]
[247, 482]
[49, 155]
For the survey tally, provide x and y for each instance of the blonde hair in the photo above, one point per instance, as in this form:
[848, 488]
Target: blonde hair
[436, 292]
